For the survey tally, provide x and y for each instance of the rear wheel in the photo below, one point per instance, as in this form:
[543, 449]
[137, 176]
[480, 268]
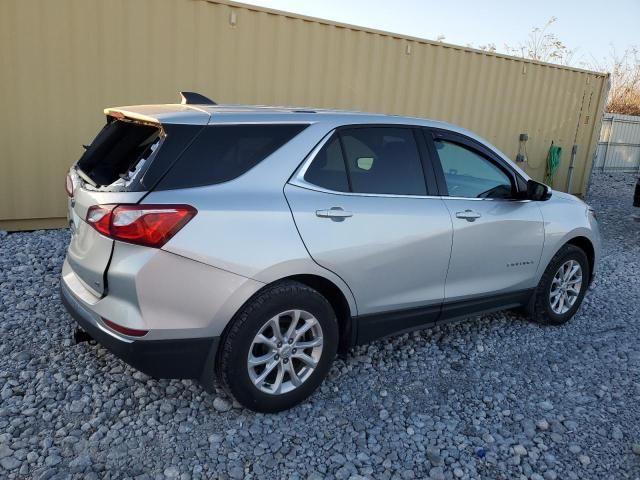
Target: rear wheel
[562, 287]
[279, 347]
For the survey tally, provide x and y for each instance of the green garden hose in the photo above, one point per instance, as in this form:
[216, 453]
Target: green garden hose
[553, 163]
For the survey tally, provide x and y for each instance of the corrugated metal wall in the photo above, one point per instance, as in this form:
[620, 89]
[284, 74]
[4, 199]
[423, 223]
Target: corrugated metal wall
[619, 145]
[64, 61]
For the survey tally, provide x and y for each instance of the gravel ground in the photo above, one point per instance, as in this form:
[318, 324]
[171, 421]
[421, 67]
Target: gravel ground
[493, 397]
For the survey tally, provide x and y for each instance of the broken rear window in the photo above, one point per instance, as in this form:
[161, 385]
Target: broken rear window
[119, 152]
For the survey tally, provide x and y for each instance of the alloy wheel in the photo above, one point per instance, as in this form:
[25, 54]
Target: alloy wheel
[565, 287]
[285, 352]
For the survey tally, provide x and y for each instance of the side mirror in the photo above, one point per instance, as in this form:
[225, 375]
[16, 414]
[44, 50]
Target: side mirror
[537, 191]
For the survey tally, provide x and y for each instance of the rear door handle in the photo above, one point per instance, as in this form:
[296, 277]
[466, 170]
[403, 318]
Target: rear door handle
[334, 212]
[468, 215]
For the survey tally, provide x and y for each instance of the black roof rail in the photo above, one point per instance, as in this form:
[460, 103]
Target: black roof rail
[193, 98]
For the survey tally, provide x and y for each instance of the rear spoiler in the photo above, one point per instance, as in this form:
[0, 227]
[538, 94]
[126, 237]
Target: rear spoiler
[190, 111]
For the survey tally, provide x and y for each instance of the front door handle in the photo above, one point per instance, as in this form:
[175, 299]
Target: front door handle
[468, 215]
[336, 213]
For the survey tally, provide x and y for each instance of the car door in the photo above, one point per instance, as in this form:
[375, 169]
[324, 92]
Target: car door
[497, 235]
[362, 208]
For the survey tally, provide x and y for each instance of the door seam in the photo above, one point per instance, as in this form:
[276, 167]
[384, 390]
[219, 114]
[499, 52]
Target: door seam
[453, 233]
[293, 218]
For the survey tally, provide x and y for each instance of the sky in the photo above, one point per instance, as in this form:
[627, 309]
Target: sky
[592, 27]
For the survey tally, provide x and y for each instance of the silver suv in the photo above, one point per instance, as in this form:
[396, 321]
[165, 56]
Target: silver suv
[251, 244]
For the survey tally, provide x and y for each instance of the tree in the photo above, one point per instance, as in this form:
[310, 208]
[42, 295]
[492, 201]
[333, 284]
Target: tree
[624, 92]
[543, 45]
[489, 47]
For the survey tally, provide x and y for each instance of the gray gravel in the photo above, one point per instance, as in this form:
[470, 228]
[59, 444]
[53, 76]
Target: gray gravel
[494, 397]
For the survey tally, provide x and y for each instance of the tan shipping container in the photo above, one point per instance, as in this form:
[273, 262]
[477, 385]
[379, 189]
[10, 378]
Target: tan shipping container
[62, 62]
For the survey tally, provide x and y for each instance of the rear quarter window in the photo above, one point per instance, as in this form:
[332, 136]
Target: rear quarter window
[224, 152]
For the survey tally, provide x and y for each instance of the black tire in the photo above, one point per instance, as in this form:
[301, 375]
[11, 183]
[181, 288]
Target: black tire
[232, 361]
[539, 308]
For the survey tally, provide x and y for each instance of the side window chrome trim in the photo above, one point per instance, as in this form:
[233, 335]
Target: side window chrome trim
[298, 180]
[476, 199]
[310, 186]
[302, 169]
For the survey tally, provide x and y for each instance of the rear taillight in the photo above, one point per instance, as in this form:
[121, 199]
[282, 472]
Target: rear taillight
[132, 332]
[68, 184]
[99, 217]
[148, 225]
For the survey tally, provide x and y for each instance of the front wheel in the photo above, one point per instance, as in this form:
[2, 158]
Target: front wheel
[562, 287]
[279, 347]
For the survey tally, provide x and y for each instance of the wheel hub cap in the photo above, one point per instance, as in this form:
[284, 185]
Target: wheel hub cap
[285, 352]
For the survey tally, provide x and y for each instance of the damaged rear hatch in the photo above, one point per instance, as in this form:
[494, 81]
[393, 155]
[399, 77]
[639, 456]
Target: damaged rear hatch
[122, 164]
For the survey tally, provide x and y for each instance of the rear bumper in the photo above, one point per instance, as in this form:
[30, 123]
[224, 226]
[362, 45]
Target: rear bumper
[180, 358]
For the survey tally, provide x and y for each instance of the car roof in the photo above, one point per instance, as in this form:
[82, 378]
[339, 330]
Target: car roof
[208, 114]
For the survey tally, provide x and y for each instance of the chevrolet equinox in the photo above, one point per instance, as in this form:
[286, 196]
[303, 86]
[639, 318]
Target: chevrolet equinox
[252, 244]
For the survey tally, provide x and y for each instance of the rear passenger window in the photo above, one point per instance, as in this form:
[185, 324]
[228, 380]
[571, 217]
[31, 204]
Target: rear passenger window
[223, 152]
[382, 160]
[327, 169]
